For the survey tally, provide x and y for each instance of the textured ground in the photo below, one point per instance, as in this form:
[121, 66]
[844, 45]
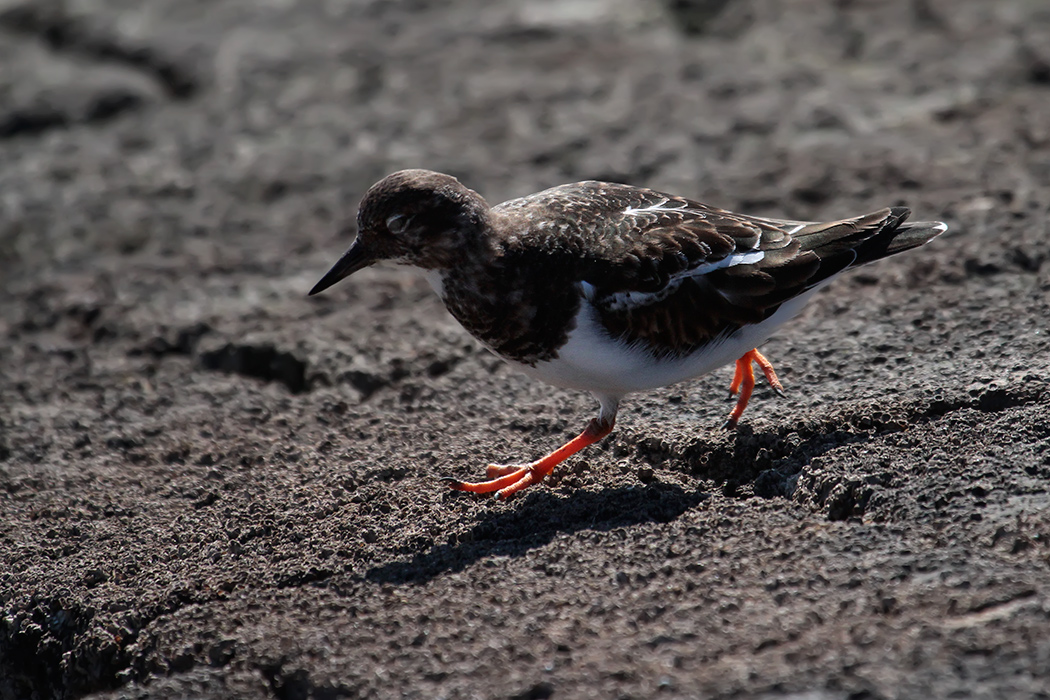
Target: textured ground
[212, 486]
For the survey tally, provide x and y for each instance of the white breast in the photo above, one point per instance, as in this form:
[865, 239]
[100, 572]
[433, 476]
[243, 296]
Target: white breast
[436, 280]
[593, 361]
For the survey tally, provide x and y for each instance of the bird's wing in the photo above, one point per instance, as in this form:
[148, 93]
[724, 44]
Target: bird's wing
[675, 273]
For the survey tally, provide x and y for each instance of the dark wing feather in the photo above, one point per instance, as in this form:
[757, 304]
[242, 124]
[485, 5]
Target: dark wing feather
[656, 264]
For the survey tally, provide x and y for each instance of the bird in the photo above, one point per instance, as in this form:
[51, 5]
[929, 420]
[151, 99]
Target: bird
[611, 288]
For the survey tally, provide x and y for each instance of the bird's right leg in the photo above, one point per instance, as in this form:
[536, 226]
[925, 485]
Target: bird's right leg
[744, 381]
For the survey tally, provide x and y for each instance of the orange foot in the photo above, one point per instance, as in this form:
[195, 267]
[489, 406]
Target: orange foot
[744, 380]
[508, 479]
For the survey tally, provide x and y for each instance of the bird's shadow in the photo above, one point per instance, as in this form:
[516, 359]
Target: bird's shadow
[540, 517]
[749, 464]
[761, 464]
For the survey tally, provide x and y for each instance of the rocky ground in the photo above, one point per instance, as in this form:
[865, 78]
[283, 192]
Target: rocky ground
[213, 486]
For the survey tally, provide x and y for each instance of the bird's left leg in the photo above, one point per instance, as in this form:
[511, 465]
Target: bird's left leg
[744, 381]
[508, 479]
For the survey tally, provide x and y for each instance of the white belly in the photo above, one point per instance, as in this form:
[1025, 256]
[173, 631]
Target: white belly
[592, 361]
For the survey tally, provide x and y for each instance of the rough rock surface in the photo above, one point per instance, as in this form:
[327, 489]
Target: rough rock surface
[213, 486]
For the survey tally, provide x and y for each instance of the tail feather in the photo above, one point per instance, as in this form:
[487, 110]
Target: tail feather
[865, 239]
[891, 241]
[830, 238]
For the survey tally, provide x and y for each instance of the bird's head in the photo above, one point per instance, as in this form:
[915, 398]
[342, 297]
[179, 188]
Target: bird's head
[413, 217]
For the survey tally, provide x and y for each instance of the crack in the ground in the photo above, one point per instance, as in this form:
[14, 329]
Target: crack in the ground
[51, 647]
[71, 35]
[35, 120]
[296, 684]
[855, 423]
[694, 17]
[768, 464]
[260, 361]
[369, 380]
[77, 38]
[35, 641]
[267, 362]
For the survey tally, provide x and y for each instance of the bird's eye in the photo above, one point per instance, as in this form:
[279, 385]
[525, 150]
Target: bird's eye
[396, 223]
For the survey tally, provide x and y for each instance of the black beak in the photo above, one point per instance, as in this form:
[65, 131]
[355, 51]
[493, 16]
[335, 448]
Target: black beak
[353, 260]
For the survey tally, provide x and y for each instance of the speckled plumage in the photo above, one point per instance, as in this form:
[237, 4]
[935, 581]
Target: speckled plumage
[645, 283]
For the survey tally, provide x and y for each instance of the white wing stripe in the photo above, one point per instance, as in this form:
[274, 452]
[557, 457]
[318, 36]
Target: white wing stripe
[659, 206]
[663, 205]
[746, 258]
[624, 300]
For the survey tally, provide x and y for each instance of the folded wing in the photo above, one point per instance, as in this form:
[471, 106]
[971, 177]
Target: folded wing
[674, 274]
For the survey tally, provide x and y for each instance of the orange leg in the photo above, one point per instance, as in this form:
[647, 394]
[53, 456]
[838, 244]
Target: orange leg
[742, 365]
[508, 479]
[744, 381]
[767, 369]
[747, 384]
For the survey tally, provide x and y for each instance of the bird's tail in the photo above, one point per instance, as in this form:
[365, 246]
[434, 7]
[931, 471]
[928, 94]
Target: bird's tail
[897, 236]
[865, 239]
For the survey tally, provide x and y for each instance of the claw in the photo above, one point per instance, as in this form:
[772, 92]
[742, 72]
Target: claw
[771, 374]
[744, 380]
[507, 479]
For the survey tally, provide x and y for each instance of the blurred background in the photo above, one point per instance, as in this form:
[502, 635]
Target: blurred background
[174, 128]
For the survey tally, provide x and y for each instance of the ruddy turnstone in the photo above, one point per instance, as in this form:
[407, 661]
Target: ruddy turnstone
[611, 288]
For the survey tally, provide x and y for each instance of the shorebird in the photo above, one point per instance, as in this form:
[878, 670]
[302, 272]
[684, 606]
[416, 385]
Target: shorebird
[611, 288]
